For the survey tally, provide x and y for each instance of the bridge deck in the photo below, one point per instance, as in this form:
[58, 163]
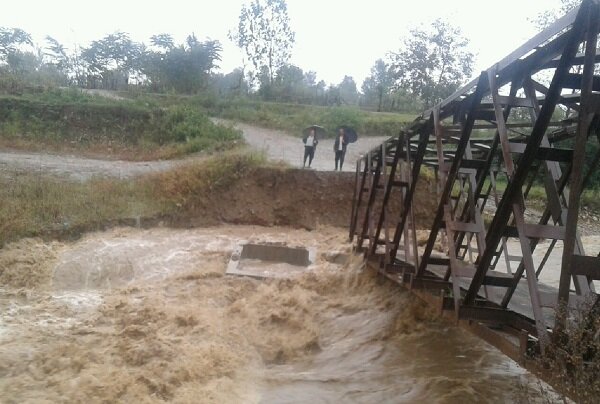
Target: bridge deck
[519, 303]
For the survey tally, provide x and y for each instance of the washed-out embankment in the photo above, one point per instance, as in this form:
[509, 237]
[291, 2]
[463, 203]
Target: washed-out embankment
[265, 196]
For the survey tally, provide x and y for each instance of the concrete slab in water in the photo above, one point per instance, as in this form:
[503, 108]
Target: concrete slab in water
[269, 261]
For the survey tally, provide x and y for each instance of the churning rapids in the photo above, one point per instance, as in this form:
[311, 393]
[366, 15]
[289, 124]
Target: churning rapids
[134, 315]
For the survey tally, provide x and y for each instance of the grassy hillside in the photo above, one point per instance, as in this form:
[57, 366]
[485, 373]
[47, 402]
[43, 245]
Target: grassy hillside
[291, 118]
[69, 119]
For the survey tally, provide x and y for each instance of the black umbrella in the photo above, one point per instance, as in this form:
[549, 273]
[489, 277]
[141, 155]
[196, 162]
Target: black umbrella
[351, 135]
[319, 130]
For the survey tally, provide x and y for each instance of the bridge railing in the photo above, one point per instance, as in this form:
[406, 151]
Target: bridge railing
[486, 158]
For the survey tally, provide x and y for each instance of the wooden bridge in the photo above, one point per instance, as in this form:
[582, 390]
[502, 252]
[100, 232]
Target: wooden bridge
[486, 146]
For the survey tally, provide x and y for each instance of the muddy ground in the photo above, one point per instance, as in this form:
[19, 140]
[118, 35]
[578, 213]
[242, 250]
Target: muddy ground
[296, 198]
[280, 146]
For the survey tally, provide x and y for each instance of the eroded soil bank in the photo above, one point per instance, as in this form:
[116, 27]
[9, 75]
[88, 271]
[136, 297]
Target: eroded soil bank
[267, 196]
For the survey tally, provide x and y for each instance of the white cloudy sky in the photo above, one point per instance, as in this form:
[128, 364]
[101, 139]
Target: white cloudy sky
[333, 37]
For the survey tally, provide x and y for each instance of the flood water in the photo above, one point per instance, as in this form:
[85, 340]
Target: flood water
[150, 316]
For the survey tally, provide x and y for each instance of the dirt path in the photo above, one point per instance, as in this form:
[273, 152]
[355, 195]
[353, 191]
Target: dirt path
[277, 145]
[281, 147]
[79, 168]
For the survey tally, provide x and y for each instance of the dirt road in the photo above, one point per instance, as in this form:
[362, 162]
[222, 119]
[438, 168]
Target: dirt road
[277, 145]
[79, 168]
[281, 147]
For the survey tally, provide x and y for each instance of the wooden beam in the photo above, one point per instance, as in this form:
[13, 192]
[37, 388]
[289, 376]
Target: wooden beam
[586, 266]
[514, 187]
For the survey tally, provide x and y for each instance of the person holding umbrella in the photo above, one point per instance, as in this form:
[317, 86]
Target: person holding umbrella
[345, 136]
[310, 141]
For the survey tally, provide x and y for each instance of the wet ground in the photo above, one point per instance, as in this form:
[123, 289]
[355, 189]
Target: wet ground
[280, 146]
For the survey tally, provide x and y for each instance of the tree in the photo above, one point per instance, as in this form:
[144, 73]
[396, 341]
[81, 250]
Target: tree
[188, 67]
[113, 58]
[348, 93]
[162, 41]
[11, 39]
[289, 83]
[433, 63]
[56, 54]
[232, 83]
[378, 85]
[22, 63]
[185, 68]
[265, 36]
[310, 78]
[546, 18]
[58, 65]
[321, 93]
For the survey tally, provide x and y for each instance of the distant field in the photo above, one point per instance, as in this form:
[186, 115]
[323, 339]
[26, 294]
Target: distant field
[291, 118]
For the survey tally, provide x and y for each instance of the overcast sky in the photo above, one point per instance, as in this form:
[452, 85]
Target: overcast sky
[333, 37]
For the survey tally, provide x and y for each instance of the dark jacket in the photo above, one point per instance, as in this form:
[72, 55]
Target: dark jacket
[315, 142]
[336, 144]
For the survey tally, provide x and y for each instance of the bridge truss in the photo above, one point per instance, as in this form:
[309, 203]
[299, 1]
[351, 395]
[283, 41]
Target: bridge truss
[527, 120]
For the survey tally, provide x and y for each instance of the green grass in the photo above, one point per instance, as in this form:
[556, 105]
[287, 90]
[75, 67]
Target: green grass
[149, 126]
[33, 205]
[291, 118]
[135, 129]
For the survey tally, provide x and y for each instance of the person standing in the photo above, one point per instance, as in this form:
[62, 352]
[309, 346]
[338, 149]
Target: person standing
[339, 147]
[310, 144]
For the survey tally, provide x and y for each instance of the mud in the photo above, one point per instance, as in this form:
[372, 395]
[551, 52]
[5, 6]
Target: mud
[294, 198]
[149, 316]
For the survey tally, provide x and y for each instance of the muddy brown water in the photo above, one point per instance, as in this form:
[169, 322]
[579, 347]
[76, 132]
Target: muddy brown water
[148, 316]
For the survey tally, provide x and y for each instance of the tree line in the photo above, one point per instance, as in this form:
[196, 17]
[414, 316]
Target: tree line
[430, 64]
[113, 62]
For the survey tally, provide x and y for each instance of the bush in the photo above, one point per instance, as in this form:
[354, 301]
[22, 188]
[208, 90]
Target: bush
[573, 358]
